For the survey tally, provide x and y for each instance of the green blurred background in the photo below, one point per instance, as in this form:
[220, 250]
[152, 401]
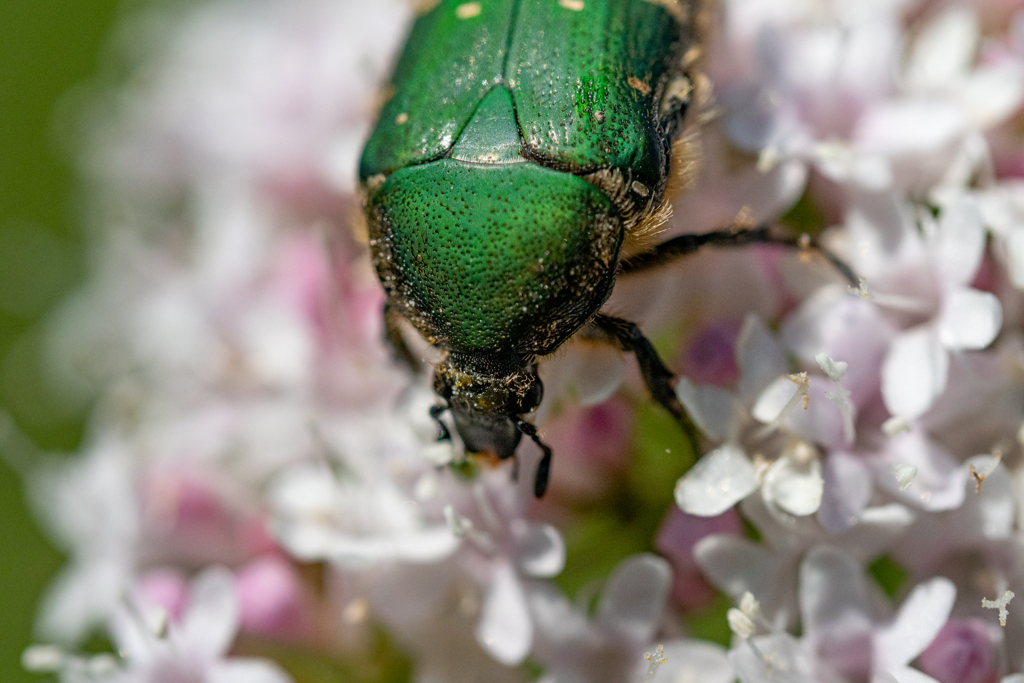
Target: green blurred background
[47, 49]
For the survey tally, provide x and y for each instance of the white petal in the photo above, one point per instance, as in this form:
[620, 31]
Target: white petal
[921, 617]
[904, 127]
[970, 319]
[305, 488]
[713, 410]
[718, 481]
[847, 491]
[773, 399]
[505, 629]
[540, 548]
[734, 565]
[211, 619]
[82, 596]
[904, 674]
[992, 93]
[634, 597]
[944, 49]
[555, 617]
[775, 653]
[914, 372]
[959, 242]
[794, 487]
[993, 504]
[759, 357]
[939, 481]
[424, 546]
[694, 661]
[247, 671]
[597, 371]
[833, 593]
[1015, 254]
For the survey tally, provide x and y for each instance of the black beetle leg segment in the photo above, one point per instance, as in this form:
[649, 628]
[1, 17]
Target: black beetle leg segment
[658, 378]
[442, 430]
[733, 237]
[540, 481]
[393, 334]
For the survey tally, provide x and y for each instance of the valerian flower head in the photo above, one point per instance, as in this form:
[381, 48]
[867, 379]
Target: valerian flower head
[257, 464]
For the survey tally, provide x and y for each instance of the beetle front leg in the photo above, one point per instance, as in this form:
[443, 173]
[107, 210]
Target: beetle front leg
[739, 237]
[627, 336]
[540, 479]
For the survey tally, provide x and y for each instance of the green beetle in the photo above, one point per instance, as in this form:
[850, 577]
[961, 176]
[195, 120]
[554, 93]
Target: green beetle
[523, 144]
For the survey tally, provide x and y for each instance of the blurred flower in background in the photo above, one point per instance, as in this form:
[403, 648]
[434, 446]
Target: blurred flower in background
[260, 494]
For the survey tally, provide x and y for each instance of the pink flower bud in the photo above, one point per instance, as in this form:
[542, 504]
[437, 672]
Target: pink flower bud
[961, 653]
[270, 597]
[593, 443]
[165, 588]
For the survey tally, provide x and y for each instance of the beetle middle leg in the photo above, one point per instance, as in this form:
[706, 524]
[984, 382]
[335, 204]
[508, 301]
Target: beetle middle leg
[627, 336]
[683, 245]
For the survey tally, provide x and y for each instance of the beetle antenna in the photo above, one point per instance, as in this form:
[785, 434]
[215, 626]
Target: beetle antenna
[442, 429]
[540, 481]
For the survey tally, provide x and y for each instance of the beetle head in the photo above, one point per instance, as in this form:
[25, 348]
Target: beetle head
[488, 394]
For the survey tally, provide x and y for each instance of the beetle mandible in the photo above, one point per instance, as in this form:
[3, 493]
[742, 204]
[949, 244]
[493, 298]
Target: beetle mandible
[525, 146]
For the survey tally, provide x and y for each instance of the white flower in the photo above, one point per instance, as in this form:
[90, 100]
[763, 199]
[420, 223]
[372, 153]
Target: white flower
[154, 651]
[610, 646]
[791, 482]
[319, 515]
[89, 507]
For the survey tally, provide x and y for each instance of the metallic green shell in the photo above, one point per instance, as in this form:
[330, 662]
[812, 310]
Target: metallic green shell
[499, 258]
[585, 77]
[484, 230]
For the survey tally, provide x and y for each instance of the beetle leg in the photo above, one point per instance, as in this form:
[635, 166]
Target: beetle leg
[393, 334]
[762, 234]
[443, 434]
[658, 378]
[540, 480]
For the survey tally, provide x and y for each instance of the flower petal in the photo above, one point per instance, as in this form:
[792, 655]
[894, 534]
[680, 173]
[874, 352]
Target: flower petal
[970, 319]
[794, 486]
[904, 674]
[960, 239]
[760, 358]
[713, 410]
[939, 481]
[694, 660]
[505, 629]
[846, 492]
[774, 399]
[833, 594]
[247, 671]
[718, 481]
[944, 49]
[775, 653]
[541, 550]
[992, 93]
[919, 620]
[211, 618]
[634, 597]
[914, 373]
[734, 565]
[910, 126]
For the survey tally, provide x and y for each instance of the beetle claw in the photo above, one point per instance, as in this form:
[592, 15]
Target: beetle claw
[540, 480]
[443, 433]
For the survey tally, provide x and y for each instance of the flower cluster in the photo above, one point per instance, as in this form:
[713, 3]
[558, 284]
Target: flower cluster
[261, 495]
